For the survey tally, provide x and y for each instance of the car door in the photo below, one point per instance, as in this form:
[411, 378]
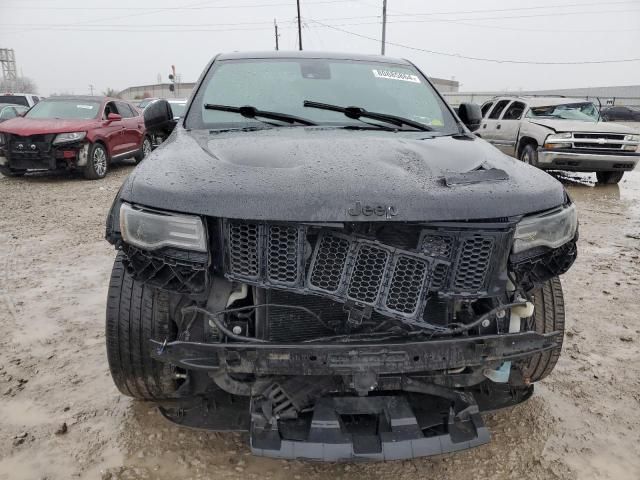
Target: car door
[137, 124]
[131, 140]
[489, 125]
[508, 126]
[113, 131]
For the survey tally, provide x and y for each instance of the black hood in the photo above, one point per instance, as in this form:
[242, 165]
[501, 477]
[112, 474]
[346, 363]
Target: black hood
[318, 174]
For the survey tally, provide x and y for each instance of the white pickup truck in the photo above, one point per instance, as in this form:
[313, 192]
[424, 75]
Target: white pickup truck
[556, 133]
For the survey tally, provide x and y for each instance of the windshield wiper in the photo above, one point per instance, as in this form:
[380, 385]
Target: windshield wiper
[248, 111]
[357, 112]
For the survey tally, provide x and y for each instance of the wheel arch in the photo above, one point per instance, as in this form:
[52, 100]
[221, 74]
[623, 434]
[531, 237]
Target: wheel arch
[523, 142]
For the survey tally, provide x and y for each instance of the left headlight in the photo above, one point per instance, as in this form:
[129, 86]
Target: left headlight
[69, 137]
[150, 230]
[550, 229]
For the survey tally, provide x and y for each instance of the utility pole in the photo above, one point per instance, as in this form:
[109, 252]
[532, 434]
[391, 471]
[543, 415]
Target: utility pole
[91, 89]
[384, 25]
[275, 26]
[299, 27]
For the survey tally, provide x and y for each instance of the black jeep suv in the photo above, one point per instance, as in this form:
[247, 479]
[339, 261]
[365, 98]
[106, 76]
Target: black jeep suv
[323, 254]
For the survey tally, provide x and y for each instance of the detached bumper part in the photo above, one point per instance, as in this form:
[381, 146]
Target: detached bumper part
[571, 160]
[367, 428]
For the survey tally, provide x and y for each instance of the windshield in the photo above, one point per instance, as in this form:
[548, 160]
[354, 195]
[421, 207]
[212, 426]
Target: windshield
[282, 85]
[146, 102]
[65, 109]
[584, 111]
[178, 108]
[16, 99]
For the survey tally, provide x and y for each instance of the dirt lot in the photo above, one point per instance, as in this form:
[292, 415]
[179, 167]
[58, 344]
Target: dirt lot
[62, 418]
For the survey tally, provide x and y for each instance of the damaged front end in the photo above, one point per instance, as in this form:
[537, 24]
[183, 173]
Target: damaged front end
[44, 151]
[336, 341]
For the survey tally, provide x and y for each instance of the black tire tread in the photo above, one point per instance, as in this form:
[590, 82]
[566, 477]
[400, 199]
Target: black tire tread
[136, 313]
[609, 178]
[549, 316]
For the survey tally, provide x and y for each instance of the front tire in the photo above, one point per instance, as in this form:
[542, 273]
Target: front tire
[135, 314]
[548, 317]
[145, 150]
[97, 163]
[529, 155]
[609, 178]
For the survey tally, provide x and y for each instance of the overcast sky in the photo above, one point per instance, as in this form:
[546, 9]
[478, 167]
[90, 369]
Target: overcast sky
[65, 45]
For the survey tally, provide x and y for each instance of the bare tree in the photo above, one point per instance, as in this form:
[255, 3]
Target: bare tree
[20, 84]
[110, 92]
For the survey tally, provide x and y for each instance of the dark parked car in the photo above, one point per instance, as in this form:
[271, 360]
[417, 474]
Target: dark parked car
[9, 111]
[323, 254]
[75, 133]
[621, 114]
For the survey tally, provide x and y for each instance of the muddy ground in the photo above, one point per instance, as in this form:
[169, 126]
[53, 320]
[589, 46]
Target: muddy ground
[62, 418]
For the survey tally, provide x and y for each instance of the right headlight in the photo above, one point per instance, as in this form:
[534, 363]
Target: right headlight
[550, 229]
[151, 229]
[559, 140]
[69, 137]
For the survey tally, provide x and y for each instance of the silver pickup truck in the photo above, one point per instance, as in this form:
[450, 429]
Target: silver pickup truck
[556, 133]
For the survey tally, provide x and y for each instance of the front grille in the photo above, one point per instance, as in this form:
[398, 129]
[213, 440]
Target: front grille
[34, 145]
[473, 263]
[368, 272]
[329, 263]
[409, 274]
[606, 136]
[604, 146]
[243, 241]
[600, 141]
[283, 254]
[361, 271]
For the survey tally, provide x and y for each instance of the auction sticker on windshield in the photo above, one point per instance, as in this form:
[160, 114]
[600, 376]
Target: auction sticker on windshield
[391, 75]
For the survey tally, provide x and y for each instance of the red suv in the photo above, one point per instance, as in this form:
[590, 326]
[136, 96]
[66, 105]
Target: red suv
[77, 133]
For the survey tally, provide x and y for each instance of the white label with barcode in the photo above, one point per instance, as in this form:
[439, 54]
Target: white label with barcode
[391, 75]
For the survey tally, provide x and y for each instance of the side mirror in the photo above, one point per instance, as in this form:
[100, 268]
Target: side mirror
[471, 115]
[113, 117]
[158, 118]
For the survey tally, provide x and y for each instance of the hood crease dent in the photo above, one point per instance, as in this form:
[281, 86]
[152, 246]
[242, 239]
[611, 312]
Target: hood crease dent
[318, 174]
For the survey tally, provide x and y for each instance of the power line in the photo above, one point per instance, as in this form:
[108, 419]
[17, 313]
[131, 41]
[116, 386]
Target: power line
[254, 5]
[540, 7]
[481, 59]
[451, 20]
